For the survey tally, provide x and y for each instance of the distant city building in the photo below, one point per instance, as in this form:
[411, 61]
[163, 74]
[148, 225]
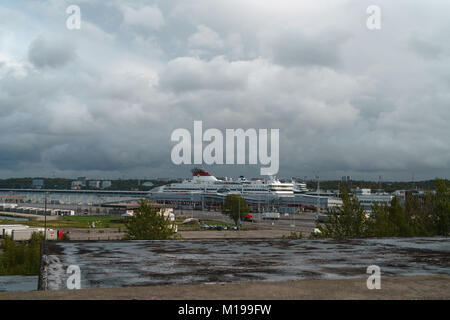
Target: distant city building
[147, 184]
[362, 191]
[366, 200]
[403, 194]
[10, 198]
[106, 184]
[38, 183]
[82, 180]
[95, 184]
[76, 185]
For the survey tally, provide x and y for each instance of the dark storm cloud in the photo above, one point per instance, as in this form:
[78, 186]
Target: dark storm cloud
[103, 100]
[186, 73]
[295, 48]
[426, 49]
[50, 53]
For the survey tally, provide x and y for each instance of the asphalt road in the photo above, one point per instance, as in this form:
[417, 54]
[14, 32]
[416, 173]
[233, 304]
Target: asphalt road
[295, 222]
[66, 207]
[303, 222]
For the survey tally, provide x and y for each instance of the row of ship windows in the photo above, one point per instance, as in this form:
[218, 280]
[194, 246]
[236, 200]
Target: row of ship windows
[246, 188]
[263, 190]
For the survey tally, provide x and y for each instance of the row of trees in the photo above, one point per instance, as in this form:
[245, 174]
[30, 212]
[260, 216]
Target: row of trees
[21, 257]
[388, 186]
[427, 216]
[65, 184]
[26, 183]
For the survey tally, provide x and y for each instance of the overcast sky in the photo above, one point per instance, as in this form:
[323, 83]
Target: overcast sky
[103, 101]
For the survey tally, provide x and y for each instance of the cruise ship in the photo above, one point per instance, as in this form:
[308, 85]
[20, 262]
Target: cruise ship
[204, 182]
[206, 192]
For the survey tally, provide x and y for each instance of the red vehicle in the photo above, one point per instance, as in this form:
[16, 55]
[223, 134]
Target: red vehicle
[249, 218]
[60, 234]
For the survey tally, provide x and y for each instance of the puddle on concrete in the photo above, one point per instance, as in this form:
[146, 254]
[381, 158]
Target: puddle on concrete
[138, 263]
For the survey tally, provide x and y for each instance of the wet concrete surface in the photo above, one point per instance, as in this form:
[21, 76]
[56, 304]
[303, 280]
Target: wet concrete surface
[147, 263]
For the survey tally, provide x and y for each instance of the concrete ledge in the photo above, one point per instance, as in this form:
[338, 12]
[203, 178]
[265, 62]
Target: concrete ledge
[413, 287]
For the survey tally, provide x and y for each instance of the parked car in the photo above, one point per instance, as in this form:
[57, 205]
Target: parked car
[271, 215]
[322, 217]
[249, 218]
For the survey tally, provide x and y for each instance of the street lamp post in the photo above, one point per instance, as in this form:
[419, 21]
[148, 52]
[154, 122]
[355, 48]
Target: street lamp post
[192, 204]
[295, 213]
[239, 210]
[45, 219]
[318, 196]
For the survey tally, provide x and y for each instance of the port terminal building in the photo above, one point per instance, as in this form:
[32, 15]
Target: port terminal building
[256, 202]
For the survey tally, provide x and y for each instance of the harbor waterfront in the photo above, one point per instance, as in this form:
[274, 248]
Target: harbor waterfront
[203, 191]
[224, 150]
[263, 251]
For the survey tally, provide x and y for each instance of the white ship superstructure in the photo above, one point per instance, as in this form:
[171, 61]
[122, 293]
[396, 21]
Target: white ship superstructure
[206, 192]
[204, 182]
[300, 187]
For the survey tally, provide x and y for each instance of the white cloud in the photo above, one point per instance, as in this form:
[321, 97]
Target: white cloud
[205, 38]
[147, 16]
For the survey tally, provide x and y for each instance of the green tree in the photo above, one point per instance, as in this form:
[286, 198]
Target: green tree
[437, 207]
[33, 253]
[148, 224]
[399, 220]
[235, 207]
[347, 221]
[420, 223]
[391, 220]
[21, 258]
[380, 225]
[419, 216]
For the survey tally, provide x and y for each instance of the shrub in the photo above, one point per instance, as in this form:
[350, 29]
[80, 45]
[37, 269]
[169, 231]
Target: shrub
[148, 223]
[21, 258]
